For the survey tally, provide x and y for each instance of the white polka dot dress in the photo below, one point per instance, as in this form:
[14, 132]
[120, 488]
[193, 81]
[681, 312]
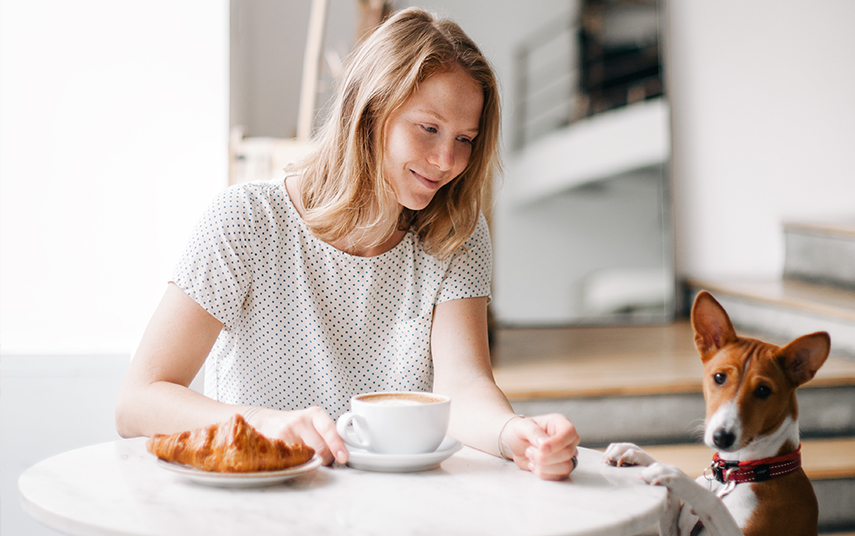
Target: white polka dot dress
[306, 324]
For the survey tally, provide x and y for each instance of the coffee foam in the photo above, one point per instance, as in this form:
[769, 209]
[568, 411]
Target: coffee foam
[395, 402]
[401, 399]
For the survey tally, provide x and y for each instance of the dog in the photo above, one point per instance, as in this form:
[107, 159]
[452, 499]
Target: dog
[756, 485]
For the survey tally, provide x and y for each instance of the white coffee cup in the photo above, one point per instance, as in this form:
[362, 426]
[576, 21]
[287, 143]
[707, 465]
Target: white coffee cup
[404, 422]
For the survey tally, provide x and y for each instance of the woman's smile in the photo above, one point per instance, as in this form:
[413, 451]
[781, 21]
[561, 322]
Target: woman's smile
[429, 183]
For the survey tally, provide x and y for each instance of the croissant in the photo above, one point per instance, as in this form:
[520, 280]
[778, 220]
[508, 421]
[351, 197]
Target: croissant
[229, 447]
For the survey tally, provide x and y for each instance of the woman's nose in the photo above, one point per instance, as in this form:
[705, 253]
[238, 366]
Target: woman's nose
[442, 155]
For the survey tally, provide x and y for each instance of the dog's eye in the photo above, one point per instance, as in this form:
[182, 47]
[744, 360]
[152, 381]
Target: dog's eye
[720, 378]
[763, 392]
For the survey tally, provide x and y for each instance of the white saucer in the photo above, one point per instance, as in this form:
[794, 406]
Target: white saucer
[240, 480]
[402, 463]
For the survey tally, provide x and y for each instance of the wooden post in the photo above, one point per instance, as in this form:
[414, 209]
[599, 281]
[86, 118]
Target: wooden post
[311, 67]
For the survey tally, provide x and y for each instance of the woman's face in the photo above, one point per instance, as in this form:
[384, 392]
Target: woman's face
[429, 140]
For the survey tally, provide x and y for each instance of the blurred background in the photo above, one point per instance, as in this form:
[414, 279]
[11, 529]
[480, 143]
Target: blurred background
[645, 144]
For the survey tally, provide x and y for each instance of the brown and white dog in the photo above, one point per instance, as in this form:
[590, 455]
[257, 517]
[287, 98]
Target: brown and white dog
[756, 485]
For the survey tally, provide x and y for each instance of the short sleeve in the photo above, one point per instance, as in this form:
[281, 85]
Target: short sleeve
[470, 270]
[216, 266]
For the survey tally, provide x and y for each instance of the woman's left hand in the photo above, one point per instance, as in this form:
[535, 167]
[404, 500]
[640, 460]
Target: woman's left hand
[544, 445]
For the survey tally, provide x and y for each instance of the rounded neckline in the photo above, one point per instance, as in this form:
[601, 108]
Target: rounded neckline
[293, 208]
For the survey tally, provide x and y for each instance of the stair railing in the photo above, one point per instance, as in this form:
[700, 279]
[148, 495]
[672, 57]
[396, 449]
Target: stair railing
[547, 80]
[602, 56]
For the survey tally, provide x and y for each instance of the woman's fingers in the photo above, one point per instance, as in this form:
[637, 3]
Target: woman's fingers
[544, 445]
[554, 470]
[561, 436]
[311, 426]
[326, 428]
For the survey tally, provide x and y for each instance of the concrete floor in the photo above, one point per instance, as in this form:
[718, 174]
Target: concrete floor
[49, 405]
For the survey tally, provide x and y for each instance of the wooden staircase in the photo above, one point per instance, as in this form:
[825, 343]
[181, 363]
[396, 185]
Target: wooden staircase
[643, 383]
[816, 292]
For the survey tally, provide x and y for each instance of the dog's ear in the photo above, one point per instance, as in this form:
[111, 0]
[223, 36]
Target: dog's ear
[802, 358]
[712, 326]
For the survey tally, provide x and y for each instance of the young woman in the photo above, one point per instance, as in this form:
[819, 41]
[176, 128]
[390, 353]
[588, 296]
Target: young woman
[366, 269]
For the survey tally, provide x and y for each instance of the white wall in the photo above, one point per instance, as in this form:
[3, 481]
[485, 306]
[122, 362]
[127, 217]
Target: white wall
[764, 127]
[546, 251]
[113, 135]
[114, 138]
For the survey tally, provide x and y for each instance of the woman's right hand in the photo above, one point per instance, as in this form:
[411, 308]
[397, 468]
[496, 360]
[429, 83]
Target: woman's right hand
[312, 426]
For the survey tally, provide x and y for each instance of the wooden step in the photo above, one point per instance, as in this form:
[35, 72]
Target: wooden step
[821, 251]
[841, 227]
[565, 363]
[787, 308]
[821, 300]
[822, 459]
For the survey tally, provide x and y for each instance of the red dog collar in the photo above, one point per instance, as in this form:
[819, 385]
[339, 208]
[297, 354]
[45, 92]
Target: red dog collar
[730, 473]
[727, 471]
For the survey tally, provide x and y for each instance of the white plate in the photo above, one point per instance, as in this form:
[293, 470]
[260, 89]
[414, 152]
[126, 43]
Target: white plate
[402, 463]
[240, 480]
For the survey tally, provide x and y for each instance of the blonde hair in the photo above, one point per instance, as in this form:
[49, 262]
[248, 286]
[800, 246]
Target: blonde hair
[345, 191]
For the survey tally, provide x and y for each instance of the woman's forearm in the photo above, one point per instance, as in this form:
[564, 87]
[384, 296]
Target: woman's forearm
[162, 407]
[462, 370]
[479, 410]
[154, 397]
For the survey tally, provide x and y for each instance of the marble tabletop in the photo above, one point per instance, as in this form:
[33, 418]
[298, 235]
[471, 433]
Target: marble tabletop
[119, 488]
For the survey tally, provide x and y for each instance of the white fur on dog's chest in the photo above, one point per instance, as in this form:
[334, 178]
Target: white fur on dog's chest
[741, 502]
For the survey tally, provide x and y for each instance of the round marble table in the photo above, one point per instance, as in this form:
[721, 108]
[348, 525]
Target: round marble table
[119, 488]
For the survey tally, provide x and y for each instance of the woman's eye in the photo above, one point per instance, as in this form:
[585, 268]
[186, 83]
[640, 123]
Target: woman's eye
[763, 392]
[719, 378]
[430, 129]
[465, 140]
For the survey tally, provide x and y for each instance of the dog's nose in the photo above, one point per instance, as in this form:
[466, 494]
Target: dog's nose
[723, 439]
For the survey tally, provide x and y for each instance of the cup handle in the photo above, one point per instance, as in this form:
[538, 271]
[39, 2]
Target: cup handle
[352, 440]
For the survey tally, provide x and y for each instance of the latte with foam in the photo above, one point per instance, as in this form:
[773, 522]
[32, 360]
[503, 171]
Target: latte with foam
[395, 422]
